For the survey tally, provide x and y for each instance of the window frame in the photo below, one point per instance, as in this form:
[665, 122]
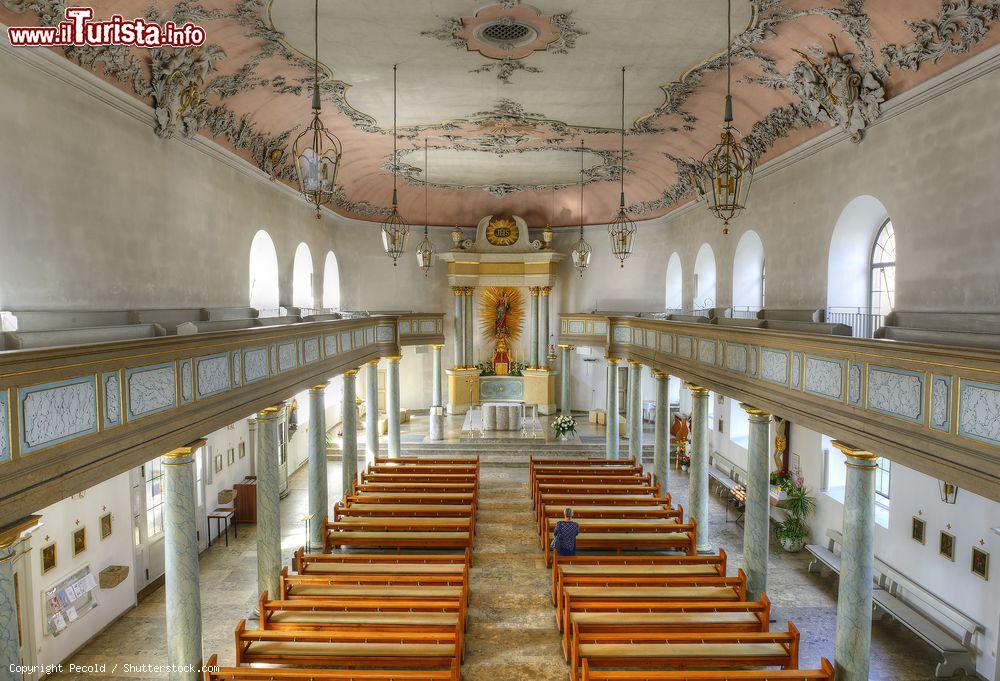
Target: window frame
[881, 265]
[151, 508]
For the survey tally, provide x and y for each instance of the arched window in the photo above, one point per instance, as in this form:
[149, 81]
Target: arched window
[264, 274]
[883, 271]
[302, 278]
[674, 299]
[704, 278]
[748, 275]
[331, 282]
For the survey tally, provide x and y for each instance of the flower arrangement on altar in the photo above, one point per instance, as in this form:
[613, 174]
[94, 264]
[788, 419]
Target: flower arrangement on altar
[563, 425]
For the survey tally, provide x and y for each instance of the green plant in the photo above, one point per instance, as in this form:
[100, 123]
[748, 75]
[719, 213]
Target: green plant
[799, 504]
[792, 530]
[486, 369]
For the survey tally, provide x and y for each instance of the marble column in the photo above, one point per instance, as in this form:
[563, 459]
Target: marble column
[852, 650]
[371, 411]
[612, 416]
[392, 404]
[698, 473]
[268, 512]
[661, 435]
[12, 537]
[757, 517]
[180, 553]
[459, 292]
[349, 449]
[470, 339]
[318, 494]
[564, 366]
[533, 328]
[543, 326]
[634, 416]
[436, 420]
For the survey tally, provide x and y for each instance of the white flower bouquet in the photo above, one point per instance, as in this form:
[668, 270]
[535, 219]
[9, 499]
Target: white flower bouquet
[563, 425]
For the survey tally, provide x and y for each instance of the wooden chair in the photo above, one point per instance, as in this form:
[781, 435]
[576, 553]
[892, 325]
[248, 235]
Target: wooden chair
[824, 673]
[664, 650]
[213, 672]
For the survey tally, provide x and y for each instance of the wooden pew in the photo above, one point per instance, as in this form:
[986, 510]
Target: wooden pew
[694, 616]
[622, 564]
[362, 509]
[348, 649]
[598, 488]
[404, 460]
[555, 513]
[380, 563]
[420, 476]
[678, 536]
[384, 586]
[544, 481]
[535, 462]
[213, 672]
[646, 584]
[400, 533]
[580, 500]
[824, 673]
[436, 498]
[610, 523]
[660, 650]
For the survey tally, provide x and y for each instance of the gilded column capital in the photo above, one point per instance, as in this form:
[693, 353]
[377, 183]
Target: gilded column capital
[469, 290]
[13, 532]
[534, 291]
[566, 346]
[613, 360]
[269, 413]
[372, 361]
[545, 290]
[319, 387]
[659, 374]
[857, 458]
[182, 456]
[393, 358]
[755, 413]
[458, 290]
[437, 346]
[351, 372]
[696, 390]
[633, 363]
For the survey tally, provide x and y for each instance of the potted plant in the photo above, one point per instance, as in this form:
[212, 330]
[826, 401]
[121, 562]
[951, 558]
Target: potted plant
[683, 458]
[564, 425]
[781, 483]
[799, 505]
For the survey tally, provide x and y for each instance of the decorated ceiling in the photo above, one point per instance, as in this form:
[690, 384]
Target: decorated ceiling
[514, 100]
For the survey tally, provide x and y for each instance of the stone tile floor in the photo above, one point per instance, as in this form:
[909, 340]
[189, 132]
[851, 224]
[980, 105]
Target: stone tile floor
[511, 633]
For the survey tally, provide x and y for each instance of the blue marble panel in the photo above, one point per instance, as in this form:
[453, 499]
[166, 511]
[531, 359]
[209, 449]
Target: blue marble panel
[345, 341]
[385, 334]
[940, 414]
[854, 378]
[576, 326]
[979, 411]
[600, 328]
[150, 389]
[370, 335]
[706, 351]
[896, 392]
[273, 368]
[797, 370]
[359, 339]
[501, 389]
[111, 384]
[404, 327]
[736, 357]
[212, 372]
[329, 345]
[187, 382]
[4, 427]
[774, 366]
[684, 345]
[753, 362]
[310, 350]
[237, 369]
[650, 337]
[621, 334]
[287, 355]
[825, 377]
[57, 412]
[254, 364]
[666, 342]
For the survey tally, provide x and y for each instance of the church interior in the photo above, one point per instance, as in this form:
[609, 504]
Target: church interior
[427, 340]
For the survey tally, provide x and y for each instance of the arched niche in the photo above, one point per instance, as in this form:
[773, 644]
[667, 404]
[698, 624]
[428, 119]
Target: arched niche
[263, 268]
[748, 272]
[331, 282]
[704, 278]
[674, 298]
[848, 270]
[302, 278]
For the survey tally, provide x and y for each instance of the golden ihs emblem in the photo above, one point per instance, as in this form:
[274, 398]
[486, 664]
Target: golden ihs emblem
[502, 231]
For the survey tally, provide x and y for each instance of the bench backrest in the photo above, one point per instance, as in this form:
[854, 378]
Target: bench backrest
[216, 673]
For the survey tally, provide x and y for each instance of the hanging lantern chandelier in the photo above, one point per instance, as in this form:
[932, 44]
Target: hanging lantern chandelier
[316, 150]
[394, 229]
[425, 251]
[582, 250]
[621, 229]
[724, 175]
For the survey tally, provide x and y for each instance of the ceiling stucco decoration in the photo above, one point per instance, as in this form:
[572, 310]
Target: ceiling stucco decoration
[249, 87]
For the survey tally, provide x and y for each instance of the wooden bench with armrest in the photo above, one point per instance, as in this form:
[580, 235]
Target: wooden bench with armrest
[576, 501]
[349, 648]
[352, 523]
[418, 587]
[583, 574]
[824, 673]
[435, 498]
[405, 475]
[538, 463]
[362, 509]
[418, 460]
[544, 480]
[672, 537]
[213, 672]
[612, 524]
[659, 650]
[553, 513]
[717, 563]
[428, 488]
[683, 616]
[597, 590]
[427, 537]
[386, 563]
[597, 488]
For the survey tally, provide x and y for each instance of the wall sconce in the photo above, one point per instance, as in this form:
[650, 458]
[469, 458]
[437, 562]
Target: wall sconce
[949, 492]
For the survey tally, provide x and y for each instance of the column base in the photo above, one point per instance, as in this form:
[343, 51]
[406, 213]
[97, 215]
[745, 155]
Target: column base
[437, 423]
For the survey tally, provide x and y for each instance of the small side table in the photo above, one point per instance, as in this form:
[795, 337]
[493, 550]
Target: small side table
[222, 517]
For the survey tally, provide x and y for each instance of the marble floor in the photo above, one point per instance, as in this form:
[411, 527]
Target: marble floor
[511, 634]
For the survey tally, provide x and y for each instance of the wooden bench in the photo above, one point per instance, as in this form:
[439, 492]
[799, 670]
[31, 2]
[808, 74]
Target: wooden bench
[552, 514]
[436, 498]
[585, 575]
[417, 587]
[576, 501]
[597, 488]
[675, 537]
[348, 649]
[718, 562]
[380, 563]
[409, 476]
[430, 537]
[404, 460]
[824, 673]
[213, 672]
[694, 617]
[659, 650]
[545, 481]
[362, 509]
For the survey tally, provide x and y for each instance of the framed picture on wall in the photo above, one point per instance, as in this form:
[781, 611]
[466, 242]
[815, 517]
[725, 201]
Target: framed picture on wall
[79, 541]
[230, 456]
[105, 526]
[218, 463]
[980, 563]
[947, 546]
[48, 557]
[919, 530]
[243, 449]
